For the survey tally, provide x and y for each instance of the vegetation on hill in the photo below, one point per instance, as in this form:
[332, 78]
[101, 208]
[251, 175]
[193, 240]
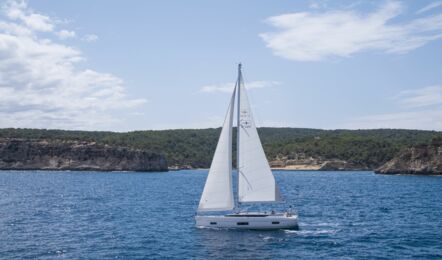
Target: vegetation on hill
[195, 147]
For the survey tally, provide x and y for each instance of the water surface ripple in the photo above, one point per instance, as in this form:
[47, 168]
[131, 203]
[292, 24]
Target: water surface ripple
[79, 215]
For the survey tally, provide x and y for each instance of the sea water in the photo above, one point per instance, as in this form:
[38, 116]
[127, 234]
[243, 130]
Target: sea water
[81, 215]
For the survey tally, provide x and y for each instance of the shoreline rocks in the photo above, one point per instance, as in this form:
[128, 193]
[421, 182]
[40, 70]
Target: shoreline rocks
[419, 160]
[305, 163]
[25, 154]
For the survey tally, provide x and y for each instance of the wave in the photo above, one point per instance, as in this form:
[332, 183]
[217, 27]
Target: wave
[311, 232]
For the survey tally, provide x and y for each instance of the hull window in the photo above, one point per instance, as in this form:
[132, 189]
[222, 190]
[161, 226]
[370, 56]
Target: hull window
[242, 223]
[275, 222]
[212, 223]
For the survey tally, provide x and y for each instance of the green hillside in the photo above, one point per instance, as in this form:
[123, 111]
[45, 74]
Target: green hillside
[195, 147]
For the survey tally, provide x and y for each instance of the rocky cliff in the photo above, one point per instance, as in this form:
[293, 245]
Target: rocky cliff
[301, 161]
[420, 160]
[23, 154]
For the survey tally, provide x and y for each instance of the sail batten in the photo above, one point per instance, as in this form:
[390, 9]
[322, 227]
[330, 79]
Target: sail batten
[218, 192]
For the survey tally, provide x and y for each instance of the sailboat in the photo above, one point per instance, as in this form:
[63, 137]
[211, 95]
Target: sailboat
[255, 181]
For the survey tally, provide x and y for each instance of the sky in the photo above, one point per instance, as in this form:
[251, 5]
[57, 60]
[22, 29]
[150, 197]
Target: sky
[140, 65]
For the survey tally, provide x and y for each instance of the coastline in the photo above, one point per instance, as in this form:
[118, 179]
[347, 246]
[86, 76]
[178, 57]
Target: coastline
[303, 167]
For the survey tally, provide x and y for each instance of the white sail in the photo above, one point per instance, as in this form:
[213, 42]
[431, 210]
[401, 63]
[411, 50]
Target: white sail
[256, 182]
[218, 191]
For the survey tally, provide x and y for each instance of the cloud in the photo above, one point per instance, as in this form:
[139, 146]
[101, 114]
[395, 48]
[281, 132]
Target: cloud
[90, 38]
[426, 119]
[429, 7]
[423, 111]
[314, 36]
[317, 4]
[18, 10]
[228, 87]
[42, 84]
[65, 34]
[427, 96]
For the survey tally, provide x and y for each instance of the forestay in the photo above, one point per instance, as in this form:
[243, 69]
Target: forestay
[218, 192]
[256, 181]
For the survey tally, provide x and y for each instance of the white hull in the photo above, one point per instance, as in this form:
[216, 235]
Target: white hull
[249, 221]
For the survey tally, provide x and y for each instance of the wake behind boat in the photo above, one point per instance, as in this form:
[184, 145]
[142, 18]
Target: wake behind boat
[255, 181]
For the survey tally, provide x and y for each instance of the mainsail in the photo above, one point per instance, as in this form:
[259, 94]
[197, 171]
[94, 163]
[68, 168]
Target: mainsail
[255, 181]
[218, 191]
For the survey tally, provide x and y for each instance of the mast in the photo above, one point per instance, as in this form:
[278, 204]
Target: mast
[237, 131]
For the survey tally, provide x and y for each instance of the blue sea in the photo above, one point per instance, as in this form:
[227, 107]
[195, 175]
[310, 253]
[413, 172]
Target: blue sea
[126, 215]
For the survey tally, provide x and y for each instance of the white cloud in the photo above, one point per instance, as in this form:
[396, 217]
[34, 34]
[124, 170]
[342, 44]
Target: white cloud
[427, 96]
[90, 38]
[429, 7]
[65, 34]
[18, 10]
[318, 4]
[423, 110]
[313, 36]
[41, 84]
[426, 120]
[228, 87]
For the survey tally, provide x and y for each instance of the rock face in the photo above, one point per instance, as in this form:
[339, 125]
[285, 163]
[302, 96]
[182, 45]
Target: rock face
[420, 160]
[303, 162]
[21, 154]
